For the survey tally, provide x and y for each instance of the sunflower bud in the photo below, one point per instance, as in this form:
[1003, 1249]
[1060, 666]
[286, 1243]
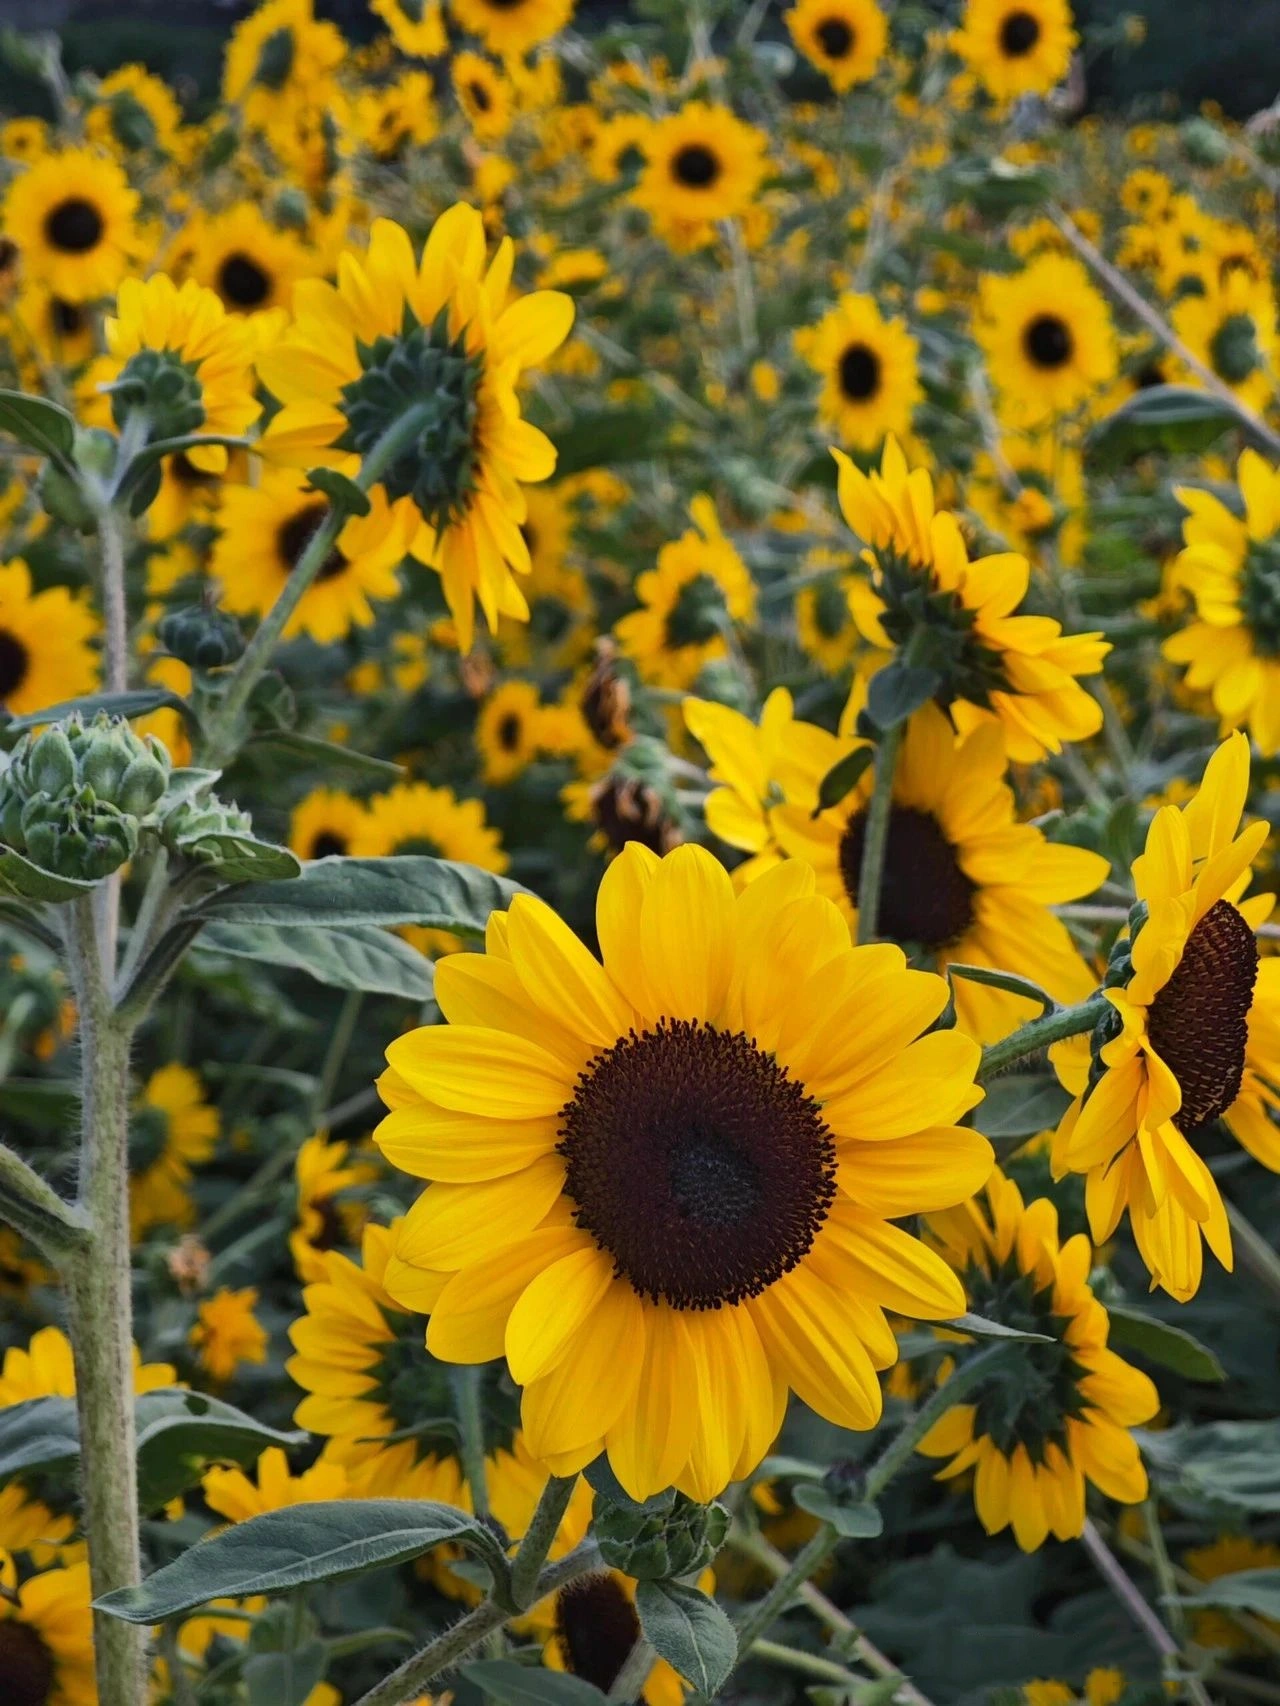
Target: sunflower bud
[77, 835]
[51, 764]
[665, 1537]
[202, 638]
[165, 387]
[196, 828]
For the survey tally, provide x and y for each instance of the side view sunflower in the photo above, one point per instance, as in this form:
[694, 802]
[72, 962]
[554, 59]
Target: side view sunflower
[868, 369]
[393, 330]
[45, 655]
[1059, 1416]
[173, 1129]
[417, 26]
[71, 215]
[1232, 328]
[1020, 670]
[1048, 338]
[845, 39]
[1017, 47]
[677, 1170]
[1195, 1037]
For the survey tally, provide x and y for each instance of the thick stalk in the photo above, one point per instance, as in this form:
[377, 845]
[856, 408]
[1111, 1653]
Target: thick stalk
[1039, 1034]
[539, 1538]
[466, 1381]
[875, 838]
[628, 1685]
[100, 1314]
[115, 621]
[807, 1561]
[900, 1448]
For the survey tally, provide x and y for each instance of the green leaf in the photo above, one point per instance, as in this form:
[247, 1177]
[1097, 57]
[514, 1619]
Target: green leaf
[859, 1520]
[287, 1678]
[689, 1631]
[1161, 1342]
[843, 777]
[411, 889]
[348, 956]
[145, 465]
[343, 494]
[898, 690]
[1009, 981]
[511, 1684]
[41, 425]
[138, 702]
[326, 754]
[1224, 1463]
[980, 1328]
[1256, 1591]
[18, 876]
[998, 186]
[1174, 418]
[1021, 1104]
[180, 1433]
[237, 858]
[291, 1548]
[38, 1436]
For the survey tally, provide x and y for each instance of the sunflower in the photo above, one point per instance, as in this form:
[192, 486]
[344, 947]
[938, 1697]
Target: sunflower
[646, 1175]
[45, 655]
[619, 146]
[324, 1171]
[45, 1368]
[1037, 1431]
[1102, 1687]
[1232, 328]
[173, 1130]
[508, 731]
[1194, 1038]
[417, 26]
[440, 327]
[401, 113]
[509, 28]
[1020, 670]
[589, 1628]
[273, 1487]
[266, 528]
[1047, 335]
[487, 98]
[279, 60]
[176, 355]
[825, 625]
[135, 110]
[250, 264]
[324, 824]
[845, 39]
[688, 603]
[46, 1637]
[701, 164]
[1017, 47]
[53, 330]
[71, 215]
[227, 1333]
[1227, 1556]
[28, 1525]
[868, 369]
[414, 817]
[1231, 566]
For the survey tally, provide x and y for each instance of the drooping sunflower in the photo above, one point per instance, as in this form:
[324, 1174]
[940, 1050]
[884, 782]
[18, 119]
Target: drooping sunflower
[173, 1129]
[249, 263]
[701, 164]
[45, 655]
[71, 215]
[487, 98]
[417, 26]
[45, 1368]
[868, 369]
[266, 528]
[1048, 338]
[509, 28]
[1017, 47]
[688, 603]
[1232, 328]
[46, 1637]
[135, 110]
[1195, 1038]
[1035, 1433]
[325, 823]
[1231, 566]
[675, 1170]
[1020, 670]
[507, 731]
[324, 1171]
[845, 39]
[394, 330]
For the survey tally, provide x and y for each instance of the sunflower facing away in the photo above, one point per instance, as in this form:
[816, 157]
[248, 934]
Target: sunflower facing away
[1047, 335]
[1194, 1038]
[845, 39]
[1232, 328]
[868, 369]
[71, 215]
[510, 28]
[1017, 47]
[46, 1637]
[1020, 670]
[701, 164]
[394, 330]
[1058, 1416]
[1231, 566]
[45, 654]
[677, 1170]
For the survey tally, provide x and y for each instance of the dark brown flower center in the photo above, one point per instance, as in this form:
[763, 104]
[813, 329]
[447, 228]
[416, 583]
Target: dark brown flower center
[187, 474]
[15, 661]
[328, 844]
[479, 96]
[1019, 33]
[65, 317]
[697, 1163]
[695, 166]
[75, 226]
[27, 1672]
[859, 373]
[598, 1627]
[835, 37]
[294, 535]
[509, 732]
[242, 283]
[925, 897]
[1199, 1021]
[1047, 341]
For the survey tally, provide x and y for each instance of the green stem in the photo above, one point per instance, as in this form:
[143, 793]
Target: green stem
[100, 1313]
[1126, 1591]
[1256, 1254]
[335, 1055]
[629, 1683]
[543, 1528]
[1038, 1034]
[150, 907]
[807, 1561]
[1162, 1569]
[806, 1664]
[180, 1684]
[222, 731]
[900, 1448]
[32, 1207]
[115, 621]
[466, 1382]
[875, 839]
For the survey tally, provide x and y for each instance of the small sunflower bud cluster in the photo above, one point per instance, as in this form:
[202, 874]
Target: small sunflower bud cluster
[197, 829]
[666, 1537]
[165, 387]
[203, 638]
[74, 797]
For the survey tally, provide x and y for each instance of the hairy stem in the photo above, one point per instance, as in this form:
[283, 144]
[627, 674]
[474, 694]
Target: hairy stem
[466, 1379]
[875, 839]
[539, 1538]
[32, 1207]
[1039, 1034]
[807, 1561]
[629, 1683]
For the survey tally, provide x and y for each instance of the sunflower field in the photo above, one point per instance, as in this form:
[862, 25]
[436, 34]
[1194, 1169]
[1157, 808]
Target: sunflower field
[639, 746]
